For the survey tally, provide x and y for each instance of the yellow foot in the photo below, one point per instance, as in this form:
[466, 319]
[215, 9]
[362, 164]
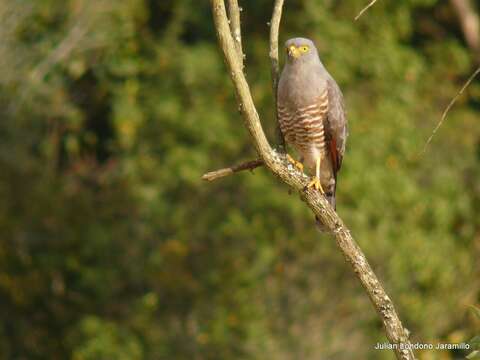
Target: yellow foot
[315, 183]
[295, 163]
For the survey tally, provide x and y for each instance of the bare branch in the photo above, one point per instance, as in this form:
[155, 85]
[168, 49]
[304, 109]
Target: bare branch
[469, 23]
[274, 29]
[277, 164]
[365, 9]
[235, 28]
[217, 174]
[447, 109]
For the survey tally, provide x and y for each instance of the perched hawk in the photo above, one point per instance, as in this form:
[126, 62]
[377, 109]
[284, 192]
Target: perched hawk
[311, 115]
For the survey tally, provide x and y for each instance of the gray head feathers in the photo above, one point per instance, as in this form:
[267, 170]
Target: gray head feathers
[301, 50]
[299, 41]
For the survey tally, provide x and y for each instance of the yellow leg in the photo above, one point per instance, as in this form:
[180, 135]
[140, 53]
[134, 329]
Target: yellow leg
[315, 182]
[295, 163]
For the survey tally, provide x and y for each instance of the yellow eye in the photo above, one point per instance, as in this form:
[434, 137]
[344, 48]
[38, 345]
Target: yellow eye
[304, 48]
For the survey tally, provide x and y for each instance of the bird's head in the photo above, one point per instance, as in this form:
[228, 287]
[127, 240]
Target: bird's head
[300, 49]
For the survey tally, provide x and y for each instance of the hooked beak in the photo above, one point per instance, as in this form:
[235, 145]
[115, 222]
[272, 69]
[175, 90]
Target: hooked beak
[293, 52]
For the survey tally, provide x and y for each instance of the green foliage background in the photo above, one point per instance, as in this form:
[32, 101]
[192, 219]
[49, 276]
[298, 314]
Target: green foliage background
[111, 247]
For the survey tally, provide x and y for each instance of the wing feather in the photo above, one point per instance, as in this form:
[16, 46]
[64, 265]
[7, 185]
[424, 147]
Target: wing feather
[336, 124]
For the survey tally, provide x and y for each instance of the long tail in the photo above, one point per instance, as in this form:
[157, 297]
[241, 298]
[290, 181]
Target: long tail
[331, 199]
[333, 203]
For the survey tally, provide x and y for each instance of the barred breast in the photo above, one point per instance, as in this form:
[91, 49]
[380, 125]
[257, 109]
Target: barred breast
[303, 127]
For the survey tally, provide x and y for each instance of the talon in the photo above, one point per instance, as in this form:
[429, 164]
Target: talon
[315, 183]
[295, 163]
